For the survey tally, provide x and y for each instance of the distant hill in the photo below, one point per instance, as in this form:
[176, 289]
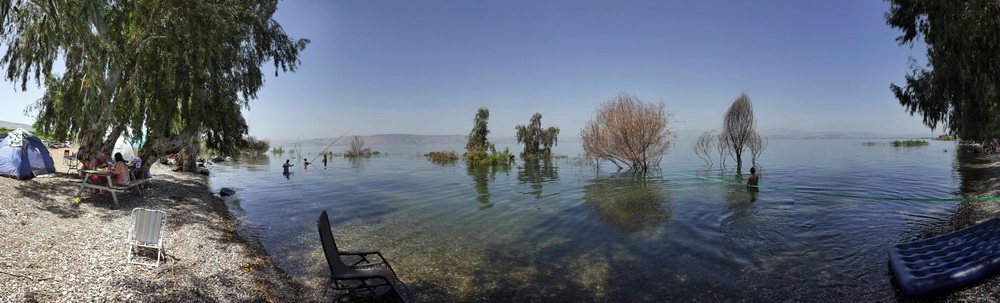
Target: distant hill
[784, 133]
[684, 134]
[389, 139]
[791, 134]
[12, 125]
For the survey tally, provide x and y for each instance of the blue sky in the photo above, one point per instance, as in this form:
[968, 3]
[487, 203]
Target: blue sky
[424, 67]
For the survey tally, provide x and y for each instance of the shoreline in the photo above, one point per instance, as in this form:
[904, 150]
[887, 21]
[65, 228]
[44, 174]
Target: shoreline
[52, 252]
[980, 179]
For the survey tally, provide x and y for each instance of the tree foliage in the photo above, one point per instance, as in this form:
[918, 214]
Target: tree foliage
[477, 137]
[628, 132]
[177, 71]
[959, 89]
[479, 150]
[256, 146]
[537, 141]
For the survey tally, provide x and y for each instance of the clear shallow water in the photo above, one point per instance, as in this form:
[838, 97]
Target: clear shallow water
[565, 231]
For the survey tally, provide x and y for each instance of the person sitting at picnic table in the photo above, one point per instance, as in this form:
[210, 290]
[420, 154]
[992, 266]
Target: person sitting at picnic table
[121, 171]
[100, 161]
[96, 163]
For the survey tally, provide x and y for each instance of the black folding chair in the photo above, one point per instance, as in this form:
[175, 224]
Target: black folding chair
[363, 278]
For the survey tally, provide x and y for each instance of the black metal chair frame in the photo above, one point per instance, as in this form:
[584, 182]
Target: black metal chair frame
[363, 278]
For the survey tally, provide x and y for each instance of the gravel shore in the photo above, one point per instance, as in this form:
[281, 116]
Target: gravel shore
[980, 179]
[52, 252]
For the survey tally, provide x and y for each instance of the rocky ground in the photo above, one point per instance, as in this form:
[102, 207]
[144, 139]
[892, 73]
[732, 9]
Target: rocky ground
[53, 252]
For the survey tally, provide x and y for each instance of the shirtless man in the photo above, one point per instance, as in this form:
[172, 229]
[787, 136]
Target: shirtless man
[99, 162]
[753, 179]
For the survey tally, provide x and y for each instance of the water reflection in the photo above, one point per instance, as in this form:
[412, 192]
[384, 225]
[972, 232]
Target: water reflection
[630, 202]
[535, 172]
[258, 163]
[357, 164]
[482, 175]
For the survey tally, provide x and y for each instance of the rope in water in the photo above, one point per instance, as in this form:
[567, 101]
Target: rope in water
[834, 195]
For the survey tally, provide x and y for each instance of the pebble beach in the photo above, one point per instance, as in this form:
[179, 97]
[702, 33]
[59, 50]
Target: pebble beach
[51, 251]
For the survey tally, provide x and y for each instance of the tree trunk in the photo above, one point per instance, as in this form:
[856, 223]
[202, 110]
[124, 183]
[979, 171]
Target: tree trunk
[187, 159]
[739, 161]
[157, 146]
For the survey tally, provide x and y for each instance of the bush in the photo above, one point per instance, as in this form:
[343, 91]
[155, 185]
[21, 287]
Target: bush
[358, 149]
[908, 143]
[442, 156]
[629, 132]
[482, 157]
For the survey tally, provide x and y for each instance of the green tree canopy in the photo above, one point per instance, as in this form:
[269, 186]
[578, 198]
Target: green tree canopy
[537, 141]
[477, 137]
[960, 87]
[177, 71]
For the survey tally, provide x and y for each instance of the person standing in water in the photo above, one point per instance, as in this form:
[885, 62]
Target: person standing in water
[287, 165]
[324, 160]
[753, 179]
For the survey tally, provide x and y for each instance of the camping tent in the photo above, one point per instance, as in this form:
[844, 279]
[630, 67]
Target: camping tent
[24, 156]
[123, 146]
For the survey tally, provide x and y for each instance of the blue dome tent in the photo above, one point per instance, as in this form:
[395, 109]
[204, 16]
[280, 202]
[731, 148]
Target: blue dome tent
[24, 156]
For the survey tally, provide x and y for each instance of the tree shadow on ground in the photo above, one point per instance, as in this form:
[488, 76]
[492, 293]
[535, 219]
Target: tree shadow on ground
[186, 201]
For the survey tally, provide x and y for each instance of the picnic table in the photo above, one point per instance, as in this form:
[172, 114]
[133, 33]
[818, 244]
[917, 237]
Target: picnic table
[110, 187]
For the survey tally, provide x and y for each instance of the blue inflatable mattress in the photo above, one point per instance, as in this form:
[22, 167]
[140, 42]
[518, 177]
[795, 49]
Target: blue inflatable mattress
[947, 262]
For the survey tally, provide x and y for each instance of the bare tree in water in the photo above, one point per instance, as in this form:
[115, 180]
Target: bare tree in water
[358, 148]
[722, 148]
[757, 144]
[740, 131]
[628, 132]
[703, 147]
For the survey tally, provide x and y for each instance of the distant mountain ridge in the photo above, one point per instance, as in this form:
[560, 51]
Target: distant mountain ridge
[12, 125]
[792, 134]
[685, 134]
[394, 139]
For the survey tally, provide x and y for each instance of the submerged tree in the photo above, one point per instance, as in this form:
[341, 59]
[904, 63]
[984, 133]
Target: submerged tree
[477, 137]
[537, 141]
[628, 132]
[177, 72]
[757, 144]
[739, 132]
[704, 145]
[358, 148]
[960, 87]
[479, 151]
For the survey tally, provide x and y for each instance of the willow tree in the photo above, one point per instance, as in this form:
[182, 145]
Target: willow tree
[960, 87]
[177, 72]
[537, 141]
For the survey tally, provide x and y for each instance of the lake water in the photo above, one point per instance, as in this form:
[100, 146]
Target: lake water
[562, 230]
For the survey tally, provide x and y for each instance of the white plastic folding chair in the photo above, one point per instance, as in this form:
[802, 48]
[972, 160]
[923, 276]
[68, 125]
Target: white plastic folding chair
[147, 231]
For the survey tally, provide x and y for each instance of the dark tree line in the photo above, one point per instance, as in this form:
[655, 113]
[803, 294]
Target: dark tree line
[959, 88]
[178, 72]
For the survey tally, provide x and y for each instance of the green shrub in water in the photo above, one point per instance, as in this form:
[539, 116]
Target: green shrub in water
[908, 143]
[482, 157]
